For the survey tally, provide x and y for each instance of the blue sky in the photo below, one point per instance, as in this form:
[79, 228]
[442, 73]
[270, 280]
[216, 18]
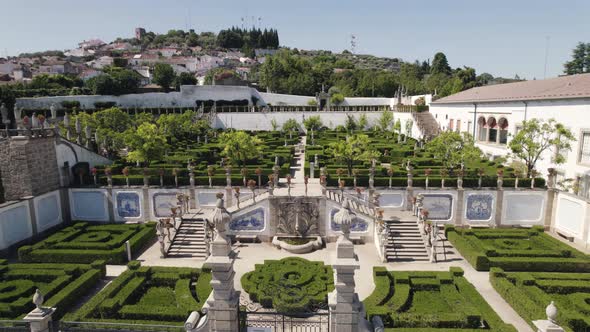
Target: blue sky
[501, 37]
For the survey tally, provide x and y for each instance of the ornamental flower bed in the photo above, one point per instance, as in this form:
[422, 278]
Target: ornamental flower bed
[516, 250]
[290, 285]
[430, 301]
[62, 285]
[85, 243]
[529, 293]
[148, 295]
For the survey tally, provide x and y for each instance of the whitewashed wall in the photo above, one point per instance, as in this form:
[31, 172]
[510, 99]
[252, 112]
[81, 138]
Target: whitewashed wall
[524, 207]
[48, 210]
[89, 205]
[571, 217]
[15, 224]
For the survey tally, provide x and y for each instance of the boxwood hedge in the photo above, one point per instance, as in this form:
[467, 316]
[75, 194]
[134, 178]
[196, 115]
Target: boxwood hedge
[430, 301]
[290, 285]
[529, 293]
[516, 250]
[85, 243]
[61, 284]
[148, 295]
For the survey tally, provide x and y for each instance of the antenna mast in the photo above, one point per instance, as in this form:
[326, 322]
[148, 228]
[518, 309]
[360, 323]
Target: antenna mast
[353, 44]
[547, 39]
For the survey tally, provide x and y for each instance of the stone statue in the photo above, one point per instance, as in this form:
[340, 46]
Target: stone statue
[220, 216]
[344, 218]
[551, 312]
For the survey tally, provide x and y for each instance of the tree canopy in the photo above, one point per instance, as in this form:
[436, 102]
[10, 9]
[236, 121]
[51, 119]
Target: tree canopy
[146, 143]
[164, 75]
[355, 148]
[238, 146]
[313, 123]
[580, 60]
[453, 148]
[538, 136]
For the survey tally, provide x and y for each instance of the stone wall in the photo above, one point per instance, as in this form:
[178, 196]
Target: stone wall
[28, 166]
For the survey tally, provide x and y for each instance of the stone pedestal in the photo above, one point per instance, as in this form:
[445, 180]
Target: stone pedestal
[39, 319]
[547, 326]
[311, 170]
[346, 311]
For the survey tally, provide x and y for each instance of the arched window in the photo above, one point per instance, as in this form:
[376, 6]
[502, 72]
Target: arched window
[503, 126]
[493, 129]
[481, 129]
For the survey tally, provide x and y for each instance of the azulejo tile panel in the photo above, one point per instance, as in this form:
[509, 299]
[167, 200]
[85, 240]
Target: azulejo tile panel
[479, 207]
[128, 205]
[162, 203]
[251, 221]
[358, 225]
[439, 206]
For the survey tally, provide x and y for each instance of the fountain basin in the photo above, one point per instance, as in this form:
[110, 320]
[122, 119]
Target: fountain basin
[298, 245]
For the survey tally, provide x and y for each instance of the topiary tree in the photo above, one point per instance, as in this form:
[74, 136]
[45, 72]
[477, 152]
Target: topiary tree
[147, 143]
[238, 146]
[313, 123]
[452, 149]
[354, 148]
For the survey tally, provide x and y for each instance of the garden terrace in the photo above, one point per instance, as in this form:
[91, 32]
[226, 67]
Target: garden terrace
[289, 285]
[430, 301]
[85, 243]
[530, 292]
[202, 156]
[396, 155]
[61, 284]
[516, 250]
[148, 295]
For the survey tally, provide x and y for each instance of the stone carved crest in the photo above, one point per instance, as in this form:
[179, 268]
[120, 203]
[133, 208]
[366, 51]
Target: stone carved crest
[299, 216]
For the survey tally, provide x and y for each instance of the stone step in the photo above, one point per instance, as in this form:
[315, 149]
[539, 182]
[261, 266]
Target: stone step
[187, 250]
[407, 254]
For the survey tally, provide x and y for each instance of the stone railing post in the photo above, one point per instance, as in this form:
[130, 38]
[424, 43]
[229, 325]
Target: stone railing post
[549, 324]
[311, 169]
[88, 134]
[40, 317]
[78, 131]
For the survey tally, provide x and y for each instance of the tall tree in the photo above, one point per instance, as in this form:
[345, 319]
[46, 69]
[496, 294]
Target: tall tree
[385, 120]
[313, 123]
[580, 62]
[440, 64]
[538, 136]
[164, 75]
[453, 148]
[147, 143]
[238, 146]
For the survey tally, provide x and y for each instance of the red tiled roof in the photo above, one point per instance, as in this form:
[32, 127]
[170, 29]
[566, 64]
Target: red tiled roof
[566, 87]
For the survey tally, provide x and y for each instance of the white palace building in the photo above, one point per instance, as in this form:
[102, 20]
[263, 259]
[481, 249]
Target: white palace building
[493, 114]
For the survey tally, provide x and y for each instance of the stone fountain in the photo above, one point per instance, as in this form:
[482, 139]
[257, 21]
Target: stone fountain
[298, 226]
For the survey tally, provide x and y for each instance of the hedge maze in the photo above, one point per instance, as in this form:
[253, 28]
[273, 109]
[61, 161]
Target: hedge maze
[430, 301]
[396, 155]
[61, 284]
[85, 243]
[148, 295]
[529, 293]
[289, 285]
[202, 156]
[516, 250]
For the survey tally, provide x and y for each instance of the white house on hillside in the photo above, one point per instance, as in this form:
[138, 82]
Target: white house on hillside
[493, 114]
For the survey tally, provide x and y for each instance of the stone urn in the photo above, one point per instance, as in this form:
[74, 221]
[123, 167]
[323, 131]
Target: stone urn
[551, 312]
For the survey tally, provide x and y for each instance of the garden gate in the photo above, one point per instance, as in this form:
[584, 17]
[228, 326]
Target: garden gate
[251, 321]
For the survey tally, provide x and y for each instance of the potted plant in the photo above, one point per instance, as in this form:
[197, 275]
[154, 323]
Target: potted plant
[252, 186]
[390, 173]
[427, 173]
[339, 172]
[161, 171]
[443, 174]
[480, 174]
[210, 174]
[516, 175]
[94, 172]
[258, 172]
[237, 196]
[146, 177]
[500, 173]
[126, 175]
[244, 173]
[355, 173]
[305, 181]
[109, 174]
[175, 174]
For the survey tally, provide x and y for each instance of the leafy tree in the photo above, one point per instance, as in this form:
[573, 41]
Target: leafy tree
[355, 148]
[538, 136]
[238, 146]
[163, 75]
[313, 123]
[290, 125]
[363, 121]
[385, 121]
[397, 126]
[182, 126]
[440, 64]
[453, 148]
[102, 85]
[115, 81]
[147, 143]
[337, 98]
[350, 123]
[274, 124]
[184, 79]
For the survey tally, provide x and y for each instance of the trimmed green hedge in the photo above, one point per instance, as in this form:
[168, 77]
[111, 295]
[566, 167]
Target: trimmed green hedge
[429, 301]
[148, 295]
[85, 243]
[516, 250]
[529, 293]
[290, 285]
[61, 284]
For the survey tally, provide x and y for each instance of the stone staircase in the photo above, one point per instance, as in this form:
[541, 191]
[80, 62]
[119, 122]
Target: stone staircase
[405, 243]
[356, 204]
[189, 239]
[427, 124]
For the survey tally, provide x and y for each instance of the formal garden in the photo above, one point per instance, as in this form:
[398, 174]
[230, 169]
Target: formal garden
[530, 292]
[516, 250]
[148, 295]
[289, 285]
[86, 242]
[430, 301]
[62, 286]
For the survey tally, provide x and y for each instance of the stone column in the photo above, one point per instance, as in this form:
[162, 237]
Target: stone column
[459, 207]
[551, 198]
[409, 189]
[312, 170]
[499, 206]
[78, 131]
[223, 301]
[346, 311]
